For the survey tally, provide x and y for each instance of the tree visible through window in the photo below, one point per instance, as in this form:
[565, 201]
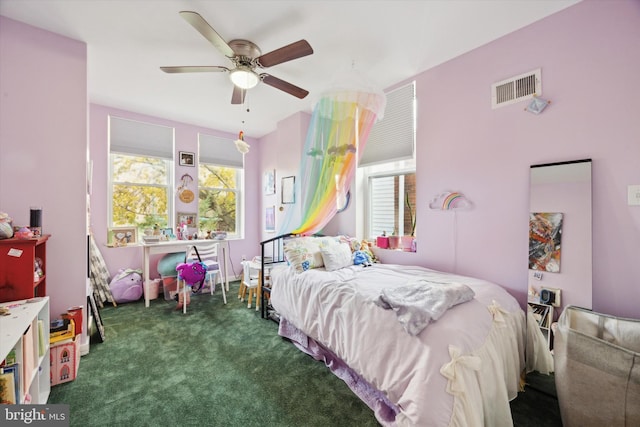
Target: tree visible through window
[219, 197]
[140, 188]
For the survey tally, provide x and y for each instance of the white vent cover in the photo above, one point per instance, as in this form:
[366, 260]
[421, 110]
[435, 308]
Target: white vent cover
[516, 89]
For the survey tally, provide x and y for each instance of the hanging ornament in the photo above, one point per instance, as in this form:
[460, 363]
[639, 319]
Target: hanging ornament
[184, 194]
[242, 146]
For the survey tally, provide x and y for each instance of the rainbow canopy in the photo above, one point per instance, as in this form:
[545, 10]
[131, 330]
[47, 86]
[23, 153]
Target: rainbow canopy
[339, 128]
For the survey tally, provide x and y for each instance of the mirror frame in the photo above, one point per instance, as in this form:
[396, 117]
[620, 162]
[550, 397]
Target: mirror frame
[562, 187]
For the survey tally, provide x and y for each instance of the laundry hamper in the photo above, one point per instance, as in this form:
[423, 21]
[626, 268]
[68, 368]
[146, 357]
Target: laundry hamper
[597, 369]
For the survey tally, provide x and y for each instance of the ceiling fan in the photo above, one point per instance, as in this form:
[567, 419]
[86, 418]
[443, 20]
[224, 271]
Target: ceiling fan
[246, 57]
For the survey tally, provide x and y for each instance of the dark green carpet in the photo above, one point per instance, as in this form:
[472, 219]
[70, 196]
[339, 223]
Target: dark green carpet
[215, 366]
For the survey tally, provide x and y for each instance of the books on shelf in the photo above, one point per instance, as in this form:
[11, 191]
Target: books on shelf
[42, 345]
[10, 388]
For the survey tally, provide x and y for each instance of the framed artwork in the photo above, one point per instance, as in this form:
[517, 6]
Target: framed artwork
[288, 190]
[191, 219]
[122, 236]
[270, 182]
[545, 238]
[186, 158]
[270, 219]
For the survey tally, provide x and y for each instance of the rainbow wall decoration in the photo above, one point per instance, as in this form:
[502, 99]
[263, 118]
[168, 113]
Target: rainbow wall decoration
[338, 132]
[450, 200]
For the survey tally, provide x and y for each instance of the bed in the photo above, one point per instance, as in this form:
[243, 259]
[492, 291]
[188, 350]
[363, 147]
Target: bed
[459, 370]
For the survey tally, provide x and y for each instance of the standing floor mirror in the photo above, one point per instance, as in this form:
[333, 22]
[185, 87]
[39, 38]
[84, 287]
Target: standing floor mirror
[560, 251]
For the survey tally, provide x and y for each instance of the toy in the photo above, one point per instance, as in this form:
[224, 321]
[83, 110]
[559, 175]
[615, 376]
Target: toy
[360, 256]
[23, 233]
[126, 286]
[192, 272]
[6, 230]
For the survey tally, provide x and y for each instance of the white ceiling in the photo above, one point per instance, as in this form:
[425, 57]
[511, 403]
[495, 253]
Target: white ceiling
[386, 41]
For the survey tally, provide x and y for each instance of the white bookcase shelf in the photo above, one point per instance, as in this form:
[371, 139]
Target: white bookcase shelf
[543, 314]
[26, 329]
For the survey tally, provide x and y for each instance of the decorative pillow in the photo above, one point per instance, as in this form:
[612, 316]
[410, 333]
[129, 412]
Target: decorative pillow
[337, 256]
[303, 253]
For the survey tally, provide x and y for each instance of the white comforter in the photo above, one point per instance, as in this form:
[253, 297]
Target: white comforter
[461, 370]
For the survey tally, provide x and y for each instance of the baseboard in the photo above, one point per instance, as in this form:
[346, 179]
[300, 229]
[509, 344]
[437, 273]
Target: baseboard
[84, 349]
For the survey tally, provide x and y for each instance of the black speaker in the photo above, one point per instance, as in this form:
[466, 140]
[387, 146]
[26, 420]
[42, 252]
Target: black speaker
[547, 296]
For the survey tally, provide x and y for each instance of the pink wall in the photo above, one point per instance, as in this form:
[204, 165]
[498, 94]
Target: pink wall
[590, 61]
[281, 150]
[589, 58]
[43, 148]
[186, 139]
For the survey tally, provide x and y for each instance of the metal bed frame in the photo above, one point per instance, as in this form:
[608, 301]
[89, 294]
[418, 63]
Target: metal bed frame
[272, 252]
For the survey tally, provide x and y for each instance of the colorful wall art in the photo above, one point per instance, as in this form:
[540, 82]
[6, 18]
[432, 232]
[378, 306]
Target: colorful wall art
[545, 235]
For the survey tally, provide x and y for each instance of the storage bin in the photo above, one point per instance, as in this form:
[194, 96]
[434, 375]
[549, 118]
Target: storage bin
[167, 271]
[154, 288]
[597, 364]
[169, 287]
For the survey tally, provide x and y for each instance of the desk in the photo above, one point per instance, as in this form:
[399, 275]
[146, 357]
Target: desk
[170, 246]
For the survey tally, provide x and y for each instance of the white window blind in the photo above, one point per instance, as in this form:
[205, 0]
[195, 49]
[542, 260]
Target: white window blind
[140, 139]
[382, 205]
[219, 151]
[393, 137]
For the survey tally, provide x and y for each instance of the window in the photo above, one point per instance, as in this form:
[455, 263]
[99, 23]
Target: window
[392, 201]
[140, 174]
[220, 184]
[388, 168]
[219, 198]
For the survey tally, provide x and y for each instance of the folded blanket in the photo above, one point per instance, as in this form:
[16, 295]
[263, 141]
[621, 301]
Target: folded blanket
[420, 301]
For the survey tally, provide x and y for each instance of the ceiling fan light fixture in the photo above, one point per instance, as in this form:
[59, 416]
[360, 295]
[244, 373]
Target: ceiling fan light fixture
[244, 77]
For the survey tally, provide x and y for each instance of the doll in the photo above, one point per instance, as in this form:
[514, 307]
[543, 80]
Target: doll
[360, 256]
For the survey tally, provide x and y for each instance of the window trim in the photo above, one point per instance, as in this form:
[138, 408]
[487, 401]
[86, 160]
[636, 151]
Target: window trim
[367, 176]
[170, 168]
[240, 195]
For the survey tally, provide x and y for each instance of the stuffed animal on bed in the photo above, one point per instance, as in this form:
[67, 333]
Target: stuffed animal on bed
[360, 257]
[126, 285]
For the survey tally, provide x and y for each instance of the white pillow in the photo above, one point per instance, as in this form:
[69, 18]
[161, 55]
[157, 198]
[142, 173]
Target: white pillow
[303, 253]
[336, 257]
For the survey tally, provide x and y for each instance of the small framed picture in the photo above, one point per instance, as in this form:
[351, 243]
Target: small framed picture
[270, 182]
[122, 236]
[186, 158]
[190, 219]
[270, 219]
[288, 193]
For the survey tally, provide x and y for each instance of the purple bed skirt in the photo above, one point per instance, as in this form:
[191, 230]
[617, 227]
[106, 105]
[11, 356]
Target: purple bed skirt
[384, 410]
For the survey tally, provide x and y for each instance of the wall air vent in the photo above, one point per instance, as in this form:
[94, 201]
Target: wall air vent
[516, 89]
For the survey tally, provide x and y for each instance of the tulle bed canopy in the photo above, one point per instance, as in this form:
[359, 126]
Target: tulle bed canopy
[337, 135]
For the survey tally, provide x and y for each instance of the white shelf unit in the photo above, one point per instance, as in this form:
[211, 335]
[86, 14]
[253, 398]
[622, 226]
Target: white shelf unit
[24, 316]
[544, 316]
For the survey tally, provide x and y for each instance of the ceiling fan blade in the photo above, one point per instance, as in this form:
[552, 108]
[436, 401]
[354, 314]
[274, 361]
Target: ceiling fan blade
[284, 86]
[203, 27]
[194, 69]
[238, 95]
[287, 53]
